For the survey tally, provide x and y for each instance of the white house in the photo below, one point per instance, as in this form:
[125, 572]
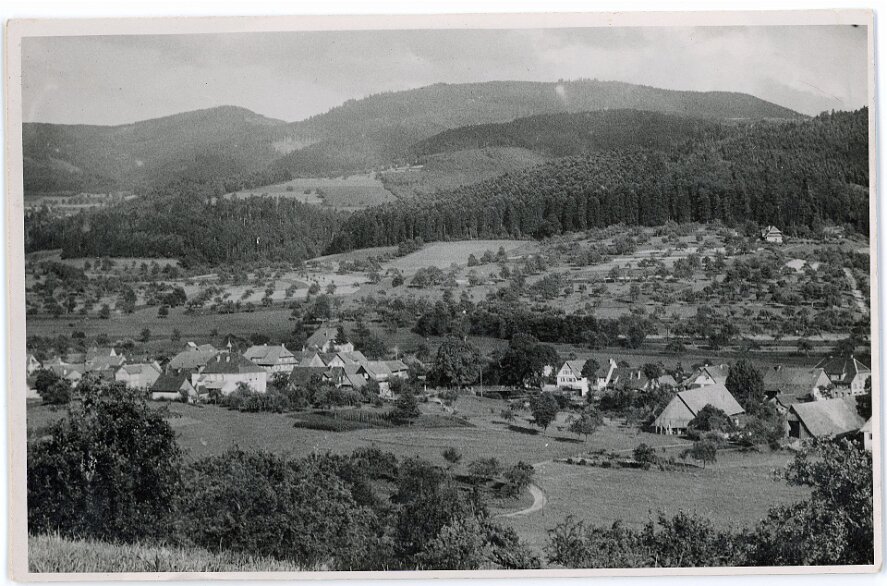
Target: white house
[570, 377]
[866, 432]
[847, 374]
[226, 371]
[33, 364]
[707, 375]
[139, 376]
[772, 234]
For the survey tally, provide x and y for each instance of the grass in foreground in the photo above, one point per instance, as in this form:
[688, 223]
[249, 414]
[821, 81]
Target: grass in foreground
[54, 554]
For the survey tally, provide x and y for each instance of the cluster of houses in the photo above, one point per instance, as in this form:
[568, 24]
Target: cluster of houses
[201, 370]
[817, 402]
[137, 372]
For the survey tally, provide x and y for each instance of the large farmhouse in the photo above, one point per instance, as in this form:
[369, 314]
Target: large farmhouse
[226, 371]
[272, 358]
[827, 418]
[678, 414]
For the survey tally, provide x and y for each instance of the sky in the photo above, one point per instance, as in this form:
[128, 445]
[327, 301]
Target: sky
[294, 75]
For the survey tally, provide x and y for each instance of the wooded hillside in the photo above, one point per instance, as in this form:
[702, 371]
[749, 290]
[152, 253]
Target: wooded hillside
[784, 173]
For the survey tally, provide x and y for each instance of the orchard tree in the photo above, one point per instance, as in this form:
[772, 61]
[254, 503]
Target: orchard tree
[703, 451]
[587, 423]
[544, 407]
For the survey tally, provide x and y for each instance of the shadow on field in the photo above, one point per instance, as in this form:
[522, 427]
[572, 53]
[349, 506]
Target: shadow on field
[526, 430]
[569, 440]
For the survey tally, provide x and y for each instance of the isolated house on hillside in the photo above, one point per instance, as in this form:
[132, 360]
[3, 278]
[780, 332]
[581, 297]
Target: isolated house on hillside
[789, 384]
[826, 418]
[272, 358]
[193, 357]
[171, 386]
[678, 414]
[772, 234]
[225, 371]
[847, 374]
[324, 340]
[139, 376]
[710, 374]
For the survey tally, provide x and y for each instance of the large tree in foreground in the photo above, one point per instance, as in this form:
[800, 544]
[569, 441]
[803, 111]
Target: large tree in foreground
[109, 470]
[835, 525]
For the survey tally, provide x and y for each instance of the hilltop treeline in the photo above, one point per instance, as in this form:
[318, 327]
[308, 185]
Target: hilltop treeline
[784, 173]
[570, 134]
[197, 230]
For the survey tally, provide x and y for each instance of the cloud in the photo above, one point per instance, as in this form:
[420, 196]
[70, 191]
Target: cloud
[287, 75]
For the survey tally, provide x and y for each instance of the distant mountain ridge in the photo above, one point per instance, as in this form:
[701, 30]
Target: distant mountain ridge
[228, 143]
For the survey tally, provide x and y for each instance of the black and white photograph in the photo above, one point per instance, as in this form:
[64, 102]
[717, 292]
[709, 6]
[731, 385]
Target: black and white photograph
[379, 296]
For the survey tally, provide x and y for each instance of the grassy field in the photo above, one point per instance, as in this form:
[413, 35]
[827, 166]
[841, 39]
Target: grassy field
[351, 193]
[53, 554]
[736, 491]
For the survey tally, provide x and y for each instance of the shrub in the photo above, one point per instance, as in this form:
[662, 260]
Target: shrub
[53, 389]
[262, 504]
[109, 469]
[517, 478]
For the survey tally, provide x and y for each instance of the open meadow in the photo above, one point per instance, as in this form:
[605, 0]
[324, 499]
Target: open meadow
[736, 491]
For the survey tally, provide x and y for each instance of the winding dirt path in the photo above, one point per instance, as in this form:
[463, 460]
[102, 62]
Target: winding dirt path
[539, 503]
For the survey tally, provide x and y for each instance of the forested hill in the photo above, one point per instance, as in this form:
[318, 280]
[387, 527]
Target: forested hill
[205, 144]
[783, 173]
[570, 134]
[197, 230]
[381, 128]
[234, 148]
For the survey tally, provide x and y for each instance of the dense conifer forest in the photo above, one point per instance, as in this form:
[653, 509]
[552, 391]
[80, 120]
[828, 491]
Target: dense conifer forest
[787, 173]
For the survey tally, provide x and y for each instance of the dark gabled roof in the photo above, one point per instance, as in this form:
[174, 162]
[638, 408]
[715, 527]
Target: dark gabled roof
[170, 382]
[843, 369]
[302, 375]
[230, 363]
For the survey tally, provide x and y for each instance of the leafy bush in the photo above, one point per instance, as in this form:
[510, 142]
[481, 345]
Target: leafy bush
[517, 478]
[265, 505]
[109, 469]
